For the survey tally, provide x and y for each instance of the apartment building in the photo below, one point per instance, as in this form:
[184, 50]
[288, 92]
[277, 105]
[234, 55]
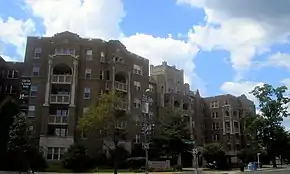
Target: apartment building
[68, 73]
[174, 93]
[10, 78]
[224, 121]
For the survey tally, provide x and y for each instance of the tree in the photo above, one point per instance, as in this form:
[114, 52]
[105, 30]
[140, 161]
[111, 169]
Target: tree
[102, 119]
[77, 159]
[213, 152]
[171, 131]
[273, 104]
[22, 154]
[8, 108]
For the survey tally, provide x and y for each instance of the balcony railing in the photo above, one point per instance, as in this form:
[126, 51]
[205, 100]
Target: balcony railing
[121, 86]
[62, 79]
[59, 98]
[56, 119]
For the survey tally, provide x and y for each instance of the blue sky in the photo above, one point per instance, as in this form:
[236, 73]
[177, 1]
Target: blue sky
[227, 47]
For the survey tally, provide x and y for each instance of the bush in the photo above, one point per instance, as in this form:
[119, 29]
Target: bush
[21, 161]
[76, 159]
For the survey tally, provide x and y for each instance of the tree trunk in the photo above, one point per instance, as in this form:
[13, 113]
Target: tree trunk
[116, 157]
[179, 160]
[274, 162]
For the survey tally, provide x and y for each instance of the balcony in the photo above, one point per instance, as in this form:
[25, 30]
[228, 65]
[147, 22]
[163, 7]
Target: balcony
[57, 120]
[61, 79]
[59, 98]
[121, 86]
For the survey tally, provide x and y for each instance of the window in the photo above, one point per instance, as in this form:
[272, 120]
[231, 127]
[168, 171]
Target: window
[215, 125]
[215, 137]
[35, 71]
[30, 128]
[238, 147]
[228, 126]
[229, 147]
[121, 124]
[89, 55]
[137, 138]
[37, 52]
[150, 115]
[55, 153]
[226, 102]
[88, 73]
[228, 137]
[102, 57]
[12, 74]
[31, 108]
[87, 93]
[151, 87]
[85, 110]
[107, 75]
[118, 59]
[236, 124]
[101, 75]
[10, 89]
[62, 112]
[65, 51]
[137, 85]
[137, 103]
[214, 104]
[60, 132]
[31, 111]
[214, 114]
[33, 91]
[137, 70]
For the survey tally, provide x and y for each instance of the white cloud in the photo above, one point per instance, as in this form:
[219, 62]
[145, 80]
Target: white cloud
[88, 18]
[101, 19]
[239, 88]
[13, 32]
[279, 59]
[177, 52]
[245, 28]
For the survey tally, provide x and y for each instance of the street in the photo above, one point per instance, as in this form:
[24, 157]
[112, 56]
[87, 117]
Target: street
[266, 171]
[272, 171]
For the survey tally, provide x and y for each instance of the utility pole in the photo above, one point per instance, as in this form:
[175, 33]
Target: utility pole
[145, 127]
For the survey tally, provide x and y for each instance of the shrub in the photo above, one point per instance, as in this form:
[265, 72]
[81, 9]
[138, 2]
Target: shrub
[76, 159]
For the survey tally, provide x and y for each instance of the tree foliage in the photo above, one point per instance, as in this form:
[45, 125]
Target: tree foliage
[102, 119]
[102, 116]
[77, 159]
[266, 128]
[171, 131]
[8, 108]
[22, 153]
[213, 152]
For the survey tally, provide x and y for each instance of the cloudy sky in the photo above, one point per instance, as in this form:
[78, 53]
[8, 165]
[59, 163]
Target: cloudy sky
[224, 46]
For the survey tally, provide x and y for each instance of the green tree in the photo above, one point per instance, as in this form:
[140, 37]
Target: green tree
[267, 129]
[22, 153]
[77, 159]
[171, 130]
[213, 152]
[8, 108]
[102, 119]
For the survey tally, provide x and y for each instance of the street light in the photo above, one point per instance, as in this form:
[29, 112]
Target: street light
[145, 128]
